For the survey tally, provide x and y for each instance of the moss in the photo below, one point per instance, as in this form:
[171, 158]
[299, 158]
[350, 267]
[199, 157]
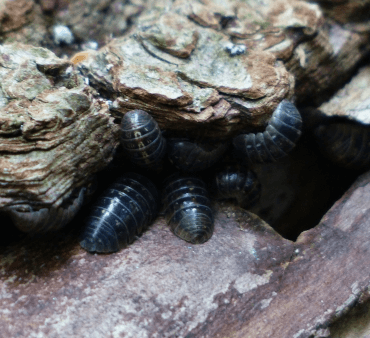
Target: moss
[41, 52]
[263, 24]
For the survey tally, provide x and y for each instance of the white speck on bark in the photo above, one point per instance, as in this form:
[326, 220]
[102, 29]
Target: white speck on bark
[62, 34]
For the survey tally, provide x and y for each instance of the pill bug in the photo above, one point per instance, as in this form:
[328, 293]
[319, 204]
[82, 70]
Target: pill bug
[26, 219]
[191, 156]
[187, 208]
[344, 143]
[237, 183]
[279, 138]
[123, 212]
[142, 139]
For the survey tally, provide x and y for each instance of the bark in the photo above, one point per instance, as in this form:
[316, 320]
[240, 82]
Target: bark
[54, 134]
[352, 101]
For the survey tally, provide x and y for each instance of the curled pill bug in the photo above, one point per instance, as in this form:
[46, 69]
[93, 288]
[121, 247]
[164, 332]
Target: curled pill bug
[193, 156]
[47, 219]
[279, 138]
[346, 144]
[187, 208]
[122, 213]
[142, 139]
[237, 183]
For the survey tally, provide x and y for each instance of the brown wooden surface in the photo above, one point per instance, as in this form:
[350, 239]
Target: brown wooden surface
[54, 135]
[353, 100]
[245, 282]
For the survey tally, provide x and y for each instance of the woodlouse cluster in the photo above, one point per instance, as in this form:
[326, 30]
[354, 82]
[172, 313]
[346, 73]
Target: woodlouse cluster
[127, 208]
[130, 204]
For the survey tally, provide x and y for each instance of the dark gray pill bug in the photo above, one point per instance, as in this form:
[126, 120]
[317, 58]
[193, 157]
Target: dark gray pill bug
[237, 183]
[279, 138]
[187, 209]
[192, 156]
[346, 144]
[122, 213]
[142, 139]
[50, 219]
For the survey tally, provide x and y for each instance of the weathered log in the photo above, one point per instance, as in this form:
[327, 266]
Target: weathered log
[209, 62]
[54, 134]
[22, 21]
[222, 68]
[321, 52]
[352, 101]
[98, 20]
[92, 23]
[352, 14]
[186, 71]
[15, 14]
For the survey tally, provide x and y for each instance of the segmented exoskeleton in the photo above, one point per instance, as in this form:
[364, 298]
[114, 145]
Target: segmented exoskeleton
[46, 219]
[194, 156]
[279, 138]
[124, 211]
[187, 209]
[346, 144]
[142, 139]
[237, 183]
